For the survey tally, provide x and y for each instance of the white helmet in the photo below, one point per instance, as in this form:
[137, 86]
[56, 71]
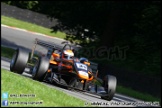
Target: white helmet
[68, 54]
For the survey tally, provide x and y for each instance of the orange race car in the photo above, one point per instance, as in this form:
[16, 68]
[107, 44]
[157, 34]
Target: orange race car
[60, 66]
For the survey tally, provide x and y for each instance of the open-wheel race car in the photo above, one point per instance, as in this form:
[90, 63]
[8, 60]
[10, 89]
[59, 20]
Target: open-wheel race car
[60, 66]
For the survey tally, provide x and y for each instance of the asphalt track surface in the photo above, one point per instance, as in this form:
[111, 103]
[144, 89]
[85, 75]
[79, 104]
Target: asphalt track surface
[13, 37]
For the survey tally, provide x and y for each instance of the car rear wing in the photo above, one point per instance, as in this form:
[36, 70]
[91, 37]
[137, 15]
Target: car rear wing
[47, 44]
[50, 46]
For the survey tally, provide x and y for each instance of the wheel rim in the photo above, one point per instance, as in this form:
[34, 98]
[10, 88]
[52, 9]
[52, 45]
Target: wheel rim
[34, 70]
[13, 60]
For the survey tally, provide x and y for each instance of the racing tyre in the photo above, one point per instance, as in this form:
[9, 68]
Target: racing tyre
[109, 84]
[19, 61]
[40, 69]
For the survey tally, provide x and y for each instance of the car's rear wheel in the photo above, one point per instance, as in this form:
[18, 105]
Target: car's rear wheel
[19, 61]
[40, 69]
[109, 84]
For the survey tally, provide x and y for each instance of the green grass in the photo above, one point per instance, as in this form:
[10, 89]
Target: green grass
[50, 97]
[7, 52]
[31, 27]
[136, 94]
[120, 89]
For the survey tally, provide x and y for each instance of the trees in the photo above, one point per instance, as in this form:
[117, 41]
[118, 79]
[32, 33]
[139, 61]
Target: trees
[135, 24]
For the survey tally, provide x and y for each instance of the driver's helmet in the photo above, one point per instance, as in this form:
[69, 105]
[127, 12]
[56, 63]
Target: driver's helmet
[68, 54]
[84, 61]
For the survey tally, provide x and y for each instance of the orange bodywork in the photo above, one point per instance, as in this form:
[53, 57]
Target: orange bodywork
[83, 76]
[69, 68]
[87, 63]
[55, 55]
[53, 62]
[86, 77]
[91, 78]
[48, 70]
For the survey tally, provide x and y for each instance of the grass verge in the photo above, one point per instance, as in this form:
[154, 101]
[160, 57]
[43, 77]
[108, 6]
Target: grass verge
[136, 94]
[120, 89]
[31, 27]
[15, 84]
[7, 52]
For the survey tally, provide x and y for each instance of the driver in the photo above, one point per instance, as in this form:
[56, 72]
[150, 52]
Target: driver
[68, 55]
[67, 61]
[84, 61]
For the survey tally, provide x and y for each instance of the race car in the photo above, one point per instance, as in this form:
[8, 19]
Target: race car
[60, 66]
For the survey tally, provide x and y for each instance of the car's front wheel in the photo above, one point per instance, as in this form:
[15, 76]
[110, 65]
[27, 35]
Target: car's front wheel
[109, 84]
